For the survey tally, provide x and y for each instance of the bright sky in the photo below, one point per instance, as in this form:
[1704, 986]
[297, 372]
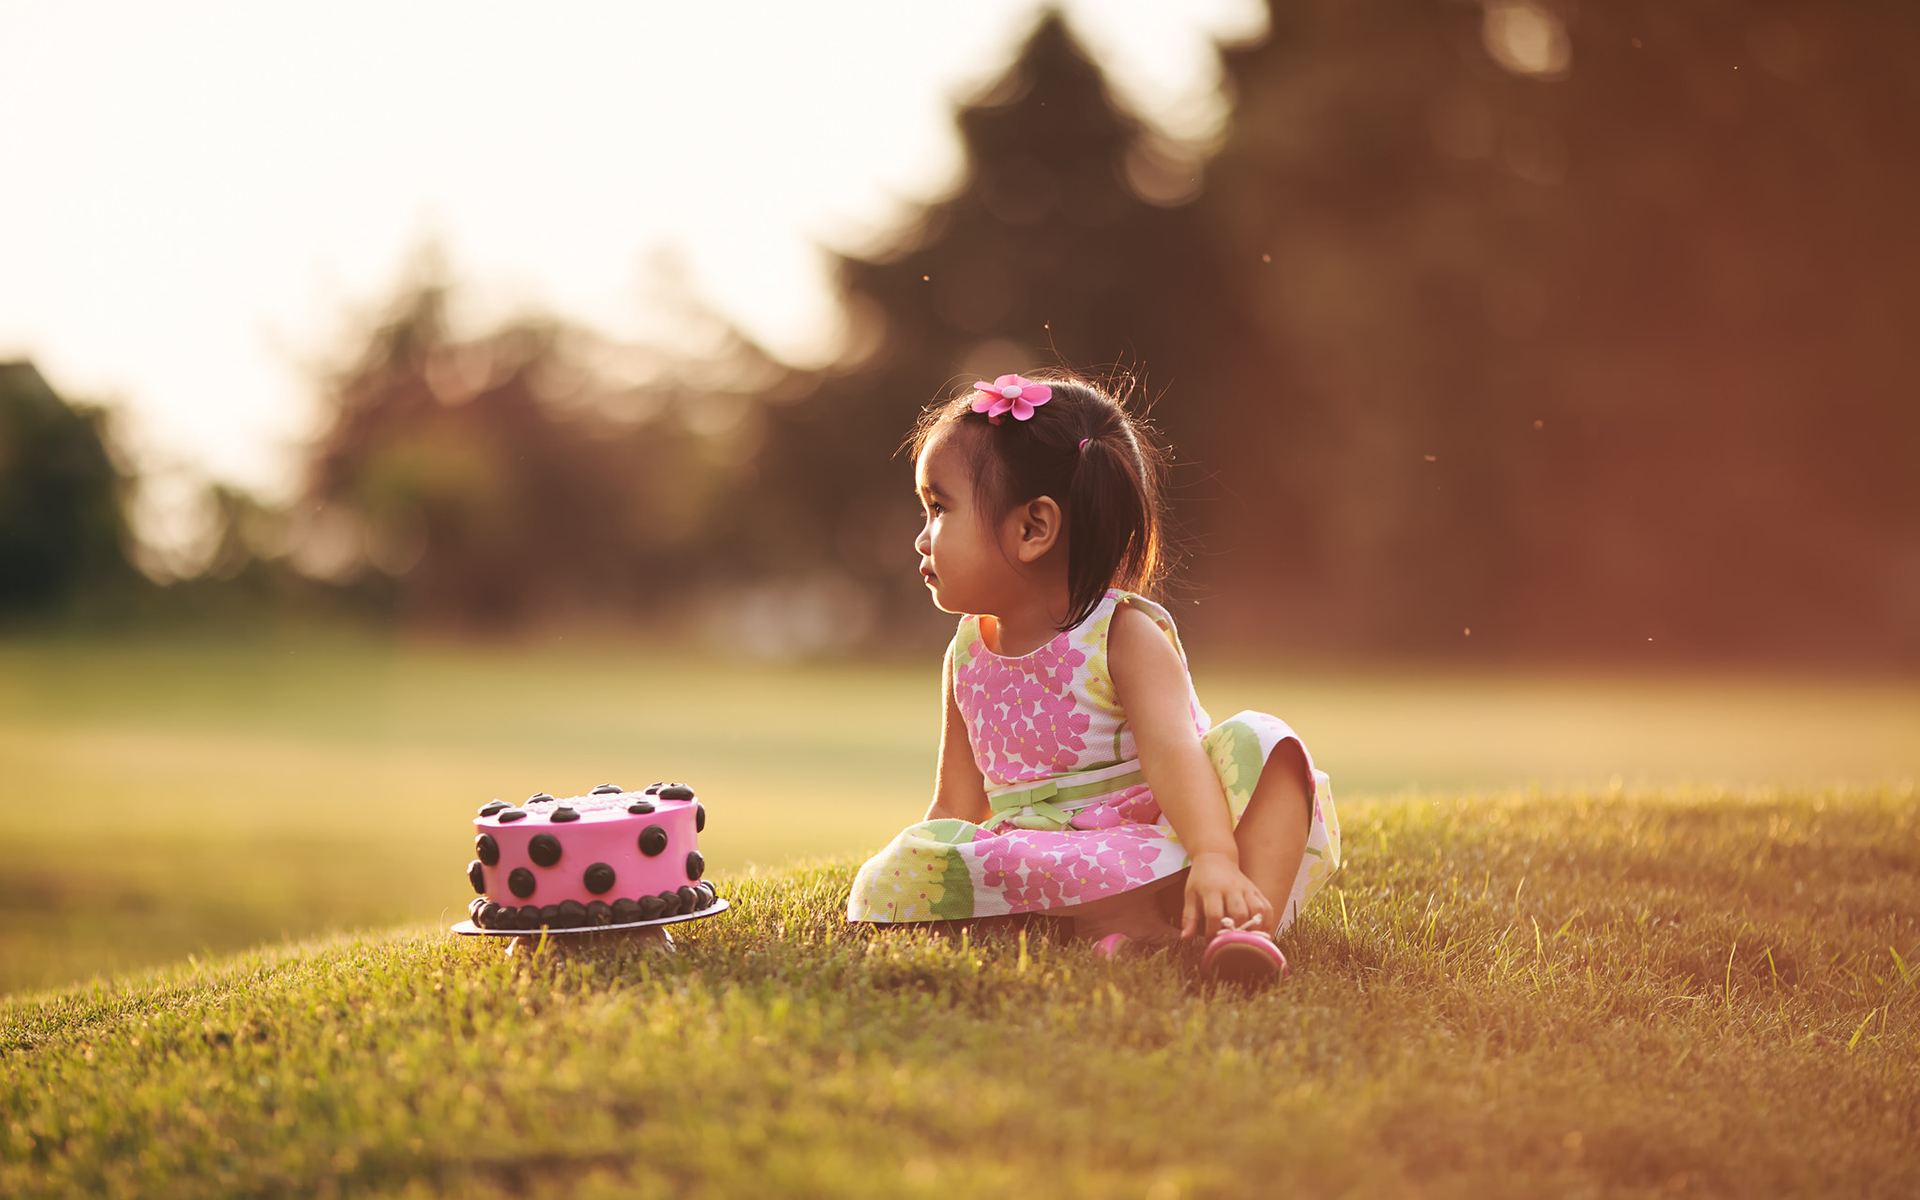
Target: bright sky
[203, 197]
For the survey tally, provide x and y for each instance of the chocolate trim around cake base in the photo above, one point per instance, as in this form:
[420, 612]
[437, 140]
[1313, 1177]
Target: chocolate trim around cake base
[572, 914]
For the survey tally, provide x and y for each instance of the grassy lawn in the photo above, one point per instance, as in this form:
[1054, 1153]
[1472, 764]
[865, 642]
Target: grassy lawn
[176, 797]
[1681, 990]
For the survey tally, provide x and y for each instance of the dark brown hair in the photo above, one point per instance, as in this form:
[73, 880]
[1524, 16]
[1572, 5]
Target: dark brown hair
[1111, 493]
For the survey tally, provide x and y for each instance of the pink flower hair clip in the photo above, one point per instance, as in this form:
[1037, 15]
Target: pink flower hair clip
[1010, 393]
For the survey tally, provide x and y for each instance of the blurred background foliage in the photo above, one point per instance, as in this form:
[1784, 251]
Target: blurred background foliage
[1496, 330]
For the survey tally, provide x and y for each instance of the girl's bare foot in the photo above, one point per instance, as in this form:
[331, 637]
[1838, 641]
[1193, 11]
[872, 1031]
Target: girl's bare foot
[1134, 915]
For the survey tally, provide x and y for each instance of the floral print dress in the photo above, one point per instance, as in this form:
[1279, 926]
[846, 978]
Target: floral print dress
[1073, 819]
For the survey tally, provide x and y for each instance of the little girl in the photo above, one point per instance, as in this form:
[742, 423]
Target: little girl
[1079, 775]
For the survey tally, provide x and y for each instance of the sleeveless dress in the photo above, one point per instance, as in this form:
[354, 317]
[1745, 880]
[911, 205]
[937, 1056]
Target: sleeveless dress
[1073, 819]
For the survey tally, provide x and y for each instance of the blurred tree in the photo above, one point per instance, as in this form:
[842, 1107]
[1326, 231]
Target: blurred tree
[1588, 324]
[536, 472]
[62, 523]
[452, 469]
[1067, 241]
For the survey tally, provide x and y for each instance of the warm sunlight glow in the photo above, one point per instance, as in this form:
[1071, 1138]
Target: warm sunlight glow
[1526, 38]
[220, 191]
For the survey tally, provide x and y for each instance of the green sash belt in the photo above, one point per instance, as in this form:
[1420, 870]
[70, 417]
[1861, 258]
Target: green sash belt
[1050, 806]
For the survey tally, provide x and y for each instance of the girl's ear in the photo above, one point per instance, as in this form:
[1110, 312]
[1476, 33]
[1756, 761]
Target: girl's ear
[1036, 529]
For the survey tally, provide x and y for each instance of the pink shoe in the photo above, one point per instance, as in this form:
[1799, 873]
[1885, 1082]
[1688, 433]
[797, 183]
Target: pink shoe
[1117, 945]
[1244, 956]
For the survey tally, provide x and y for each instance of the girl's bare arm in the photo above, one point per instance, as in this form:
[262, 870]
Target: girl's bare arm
[959, 788]
[1151, 685]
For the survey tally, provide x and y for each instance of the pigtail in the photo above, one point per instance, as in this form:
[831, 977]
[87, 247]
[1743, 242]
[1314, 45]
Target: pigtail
[1113, 517]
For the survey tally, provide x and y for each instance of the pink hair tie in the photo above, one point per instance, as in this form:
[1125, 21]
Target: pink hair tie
[1083, 442]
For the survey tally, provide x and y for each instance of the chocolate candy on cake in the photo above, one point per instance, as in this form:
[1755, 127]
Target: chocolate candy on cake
[625, 912]
[689, 899]
[699, 818]
[607, 789]
[563, 814]
[651, 907]
[653, 840]
[640, 808]
[474, 908]
[487, 849]
[537, 797]
[477, 877]
[509, 815]
[544, 849]
[573, 914]
[520, 882]
[599, 913]
[598, 878]
[490, 916]
[493, 806]
[696, 865]
[676, 791]
[550, 915]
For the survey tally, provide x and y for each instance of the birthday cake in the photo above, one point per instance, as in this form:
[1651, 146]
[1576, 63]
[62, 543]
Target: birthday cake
[610, 857]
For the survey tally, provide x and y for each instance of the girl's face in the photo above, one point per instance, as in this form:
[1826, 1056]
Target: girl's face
[961, 556]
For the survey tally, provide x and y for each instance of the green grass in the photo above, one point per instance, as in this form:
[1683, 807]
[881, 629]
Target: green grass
[203, 795]
[1623, 992]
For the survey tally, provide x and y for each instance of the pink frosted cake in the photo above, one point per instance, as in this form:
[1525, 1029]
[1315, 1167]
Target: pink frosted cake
[610, 857]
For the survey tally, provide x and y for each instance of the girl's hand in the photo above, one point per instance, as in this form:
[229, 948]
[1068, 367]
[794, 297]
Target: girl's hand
[1216, 889]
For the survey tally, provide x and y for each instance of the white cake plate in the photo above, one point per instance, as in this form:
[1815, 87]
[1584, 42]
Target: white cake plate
[651, 930]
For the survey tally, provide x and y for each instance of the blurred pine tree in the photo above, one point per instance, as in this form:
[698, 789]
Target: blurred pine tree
[1067, 241]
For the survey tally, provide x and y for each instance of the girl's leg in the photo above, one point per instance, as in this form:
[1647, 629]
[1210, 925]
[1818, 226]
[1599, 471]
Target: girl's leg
[1272, 840]
[1272, 834]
